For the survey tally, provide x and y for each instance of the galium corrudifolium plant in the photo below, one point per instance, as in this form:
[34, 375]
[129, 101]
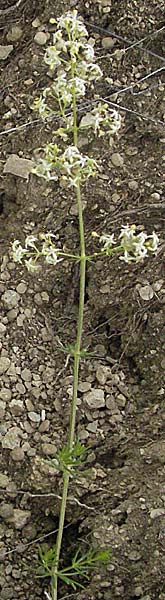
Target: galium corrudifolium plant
[71, 64]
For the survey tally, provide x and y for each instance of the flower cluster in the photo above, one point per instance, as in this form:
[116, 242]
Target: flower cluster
[102, 120]
[33, 253]
[134, 246]
[73, 166]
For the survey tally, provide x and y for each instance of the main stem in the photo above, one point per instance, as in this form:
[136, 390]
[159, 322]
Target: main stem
[77, 350]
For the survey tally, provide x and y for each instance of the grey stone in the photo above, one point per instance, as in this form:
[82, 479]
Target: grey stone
[6, 510]
[19, 518]
[16, 407]
[14, 34]
[34, 417]
[4, 480]
[26, 374]
[108, 43]
[21, 288]
[2, 329]
[95, 398]
[2, 408]
[4, 364]
[157, 512]
[40, 38]
[21, 167]
[17, 454]
[49, 449]
[84, 386]
[5, 51]
[10, 298]
[12, 438]
[5, 394]
[117, 160]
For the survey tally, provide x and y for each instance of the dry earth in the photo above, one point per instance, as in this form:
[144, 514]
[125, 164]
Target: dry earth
[119, 504]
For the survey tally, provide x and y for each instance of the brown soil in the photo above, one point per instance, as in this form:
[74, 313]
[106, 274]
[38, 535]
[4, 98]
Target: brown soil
[119, 503]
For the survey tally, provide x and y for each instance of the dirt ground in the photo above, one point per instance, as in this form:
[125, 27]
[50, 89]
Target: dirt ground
[119, 503]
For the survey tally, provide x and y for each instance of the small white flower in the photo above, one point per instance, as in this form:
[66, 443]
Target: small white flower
[52, 57]
[30, 241]
[88, 52]
[153, 242]
[31, 265]
[17, 251]
[107, 240]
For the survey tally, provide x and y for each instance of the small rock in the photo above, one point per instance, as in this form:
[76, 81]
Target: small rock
[11, 298]
[16, 407]
[21, 167]
[92, 427]
[17, 454]
[163, 363]
[146, 292]
[26, 374]
[5, 51]
[4, 364]
[19, 518]
[21, 288]
[49, 449]
[157, 512]
[40, 38]
[95, 398]
[117, 160]
[84, 386]
[6, 510]
[4, 480]
[133, 185]
[36, 23]
[5, 394]
[15, 34]
[2, 409]
[44, 426]
[12, 438]
[102, 374]
[2, 329]
[20, 388]
[34, 417]
[108, 43]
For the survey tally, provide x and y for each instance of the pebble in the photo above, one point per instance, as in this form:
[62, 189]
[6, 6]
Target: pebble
[26, 374]
[117, 160]
[2, 329]
[21, 167]
[14, 34]
[92, 427]
[108, 43]
[4, 480]
[95, 398]
[84, 386]
[146, 292]
[12, 438]
[102, 374]
[20, 388]
[49, 449]
[17, 454]
[40, 38]
[44, 426]
[5, 51]
[157, 512]
[11, 298]
[4, 364]
[6, 510]
[34, 417]
[2, 409]
[19, 518]
[5, 394]
[21, 288]
[16, 407]
[133, 185]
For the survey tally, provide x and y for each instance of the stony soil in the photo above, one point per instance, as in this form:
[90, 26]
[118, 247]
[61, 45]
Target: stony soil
[118, 504]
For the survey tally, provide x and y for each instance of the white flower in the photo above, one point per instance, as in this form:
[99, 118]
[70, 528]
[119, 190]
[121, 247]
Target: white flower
[70, 22]
[94, 72]
[31, 265]
[17, 251]
[108, 241]
[52, 57]
[88, 52]
[30, 241]
[153, 242]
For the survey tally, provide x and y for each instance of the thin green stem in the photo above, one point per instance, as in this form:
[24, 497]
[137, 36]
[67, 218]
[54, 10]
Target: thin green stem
[83, 259]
